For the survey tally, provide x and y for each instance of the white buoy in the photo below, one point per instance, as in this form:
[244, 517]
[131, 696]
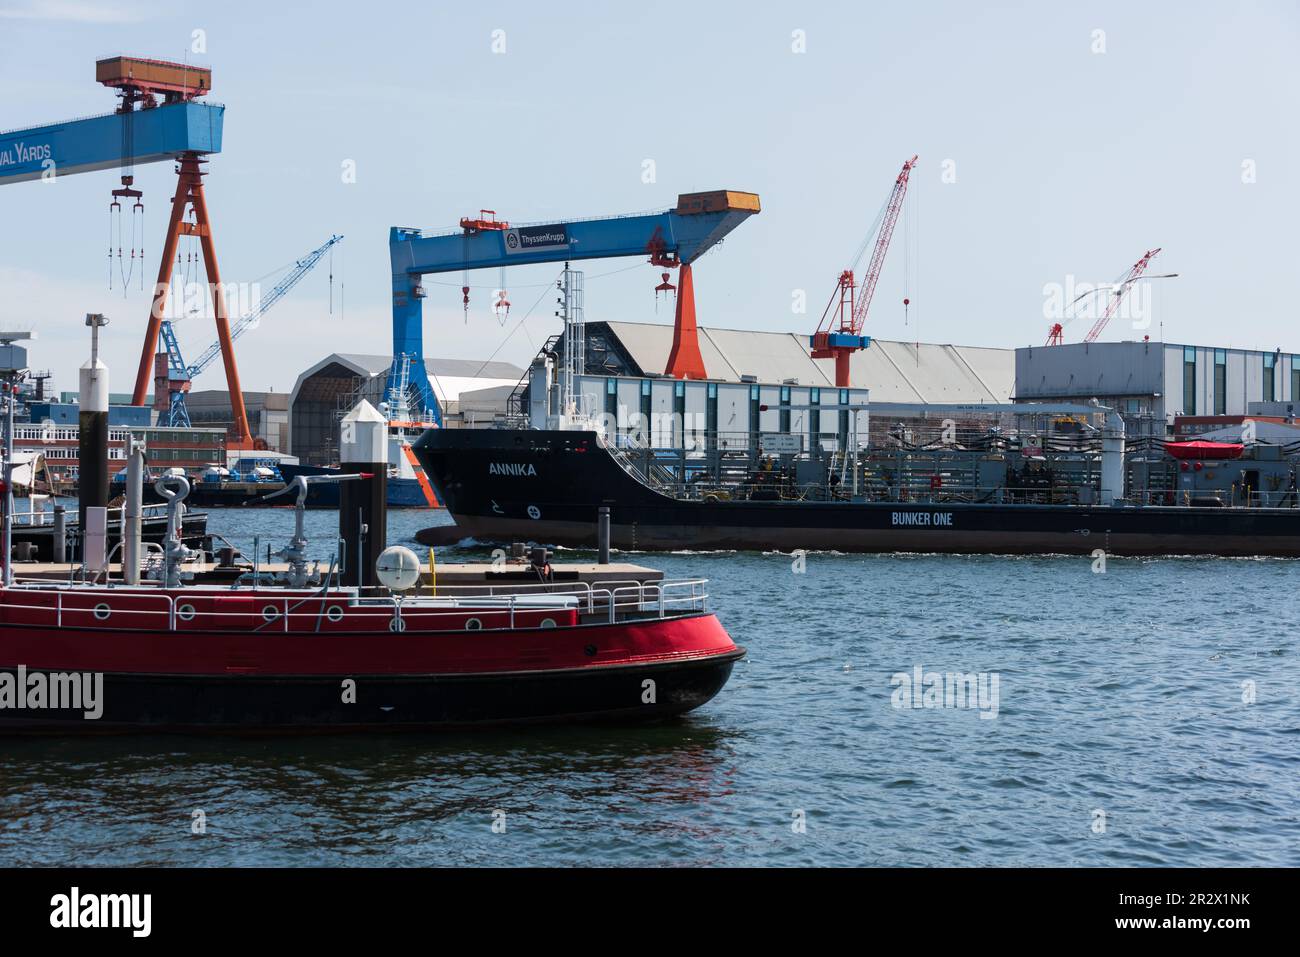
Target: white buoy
[398, 568]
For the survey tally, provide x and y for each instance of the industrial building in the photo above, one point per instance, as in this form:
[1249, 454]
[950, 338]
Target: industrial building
[267, 412]
[902, 373]
[49, 430]
[1153, 382]
[192, 449]
[901, 380]
[325, 391]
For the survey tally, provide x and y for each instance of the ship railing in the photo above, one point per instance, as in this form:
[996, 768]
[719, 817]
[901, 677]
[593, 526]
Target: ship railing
[661, 598]
[919, 490]
[281, 613]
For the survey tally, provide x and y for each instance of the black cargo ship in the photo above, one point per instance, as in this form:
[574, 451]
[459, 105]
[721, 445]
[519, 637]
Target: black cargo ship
[503, 485]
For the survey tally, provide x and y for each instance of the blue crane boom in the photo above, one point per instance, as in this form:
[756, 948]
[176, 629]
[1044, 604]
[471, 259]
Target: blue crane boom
[673, 237]
[83, 146]
[278, 292]
[174, 381]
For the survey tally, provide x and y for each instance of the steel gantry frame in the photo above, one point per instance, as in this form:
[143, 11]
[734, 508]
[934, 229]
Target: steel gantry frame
[673, 238]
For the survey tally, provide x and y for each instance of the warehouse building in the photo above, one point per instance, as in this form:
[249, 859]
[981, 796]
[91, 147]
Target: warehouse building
[906, 373]
[1153, 382]
[903, 381]
[267, 412]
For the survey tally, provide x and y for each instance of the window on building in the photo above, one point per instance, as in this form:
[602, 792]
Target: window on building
[1220, 381]
[679, 413]
[1189, 380]
[1295, 379]
[784, 425]
[814, 414]
[1270, 367]
[711, 415]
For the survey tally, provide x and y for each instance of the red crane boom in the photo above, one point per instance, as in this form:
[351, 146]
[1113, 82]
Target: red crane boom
[1121, 290]
[839, 334]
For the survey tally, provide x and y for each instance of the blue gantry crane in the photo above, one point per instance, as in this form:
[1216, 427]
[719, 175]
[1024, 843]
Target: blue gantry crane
[672, 238]
[173, 377]
[159, 117]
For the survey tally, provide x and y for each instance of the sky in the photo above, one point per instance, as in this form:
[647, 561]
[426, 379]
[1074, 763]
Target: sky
[1057, 143]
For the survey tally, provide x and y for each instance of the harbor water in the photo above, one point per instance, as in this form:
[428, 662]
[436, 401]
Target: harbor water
[1136, 712]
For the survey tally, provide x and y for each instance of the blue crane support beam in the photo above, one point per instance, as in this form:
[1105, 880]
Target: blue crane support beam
[83, 146]
[671, 237]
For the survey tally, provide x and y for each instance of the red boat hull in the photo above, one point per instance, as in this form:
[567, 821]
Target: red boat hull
[350, 677]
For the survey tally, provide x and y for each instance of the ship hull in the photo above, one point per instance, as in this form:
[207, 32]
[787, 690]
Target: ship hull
[233, 703]
[503, 486]
[156, 678]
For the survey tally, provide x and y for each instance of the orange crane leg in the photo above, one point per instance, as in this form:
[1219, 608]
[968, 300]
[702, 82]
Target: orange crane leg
[145, 373]
[243, 437]
[189, 192]
[685, 361]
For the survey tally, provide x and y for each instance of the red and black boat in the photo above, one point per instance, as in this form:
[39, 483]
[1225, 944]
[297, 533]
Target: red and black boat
[299, 655]
[259, 659]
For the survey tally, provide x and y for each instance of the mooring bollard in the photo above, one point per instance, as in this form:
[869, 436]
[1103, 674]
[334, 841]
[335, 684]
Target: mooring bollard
[602, 534]
[92, 437]
[363, 504]
[60, 534]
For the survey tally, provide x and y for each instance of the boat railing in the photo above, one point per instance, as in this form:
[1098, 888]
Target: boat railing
[45, 516]
[945, 493]
[282, 612]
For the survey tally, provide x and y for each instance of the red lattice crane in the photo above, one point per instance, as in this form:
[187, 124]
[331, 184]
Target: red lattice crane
[839, 334]
[1121, 290]
[1118, 289]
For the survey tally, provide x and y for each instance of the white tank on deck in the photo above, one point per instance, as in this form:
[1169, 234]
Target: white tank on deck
[1112, 458]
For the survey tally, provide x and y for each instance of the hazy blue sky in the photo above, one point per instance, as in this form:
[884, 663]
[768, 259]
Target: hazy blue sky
[1067, 161]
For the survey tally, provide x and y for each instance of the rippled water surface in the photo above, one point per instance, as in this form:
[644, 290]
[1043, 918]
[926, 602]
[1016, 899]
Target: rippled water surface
[1120, 703]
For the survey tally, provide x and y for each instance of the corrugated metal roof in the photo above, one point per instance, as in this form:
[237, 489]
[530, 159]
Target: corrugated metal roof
[931, 372]
[771, 356]
[728, 353]
[892, 371]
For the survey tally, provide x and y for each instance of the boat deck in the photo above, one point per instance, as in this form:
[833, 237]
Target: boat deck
[449, 574]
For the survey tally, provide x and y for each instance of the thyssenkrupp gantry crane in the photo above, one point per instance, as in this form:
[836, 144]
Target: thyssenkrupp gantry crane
[672, 238]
